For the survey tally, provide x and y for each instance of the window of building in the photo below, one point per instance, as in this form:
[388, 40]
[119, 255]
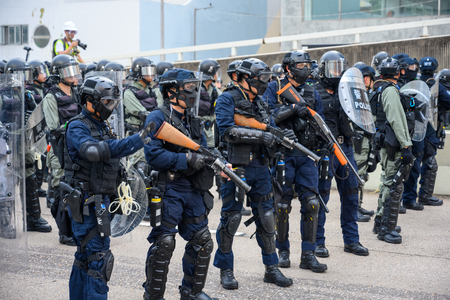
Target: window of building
[13, 34]
[41, 36]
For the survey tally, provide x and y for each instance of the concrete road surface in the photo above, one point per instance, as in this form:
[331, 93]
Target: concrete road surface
[419, 268]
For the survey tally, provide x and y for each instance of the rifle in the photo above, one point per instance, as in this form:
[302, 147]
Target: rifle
[293, 97]
[279, 135]
[172, 135]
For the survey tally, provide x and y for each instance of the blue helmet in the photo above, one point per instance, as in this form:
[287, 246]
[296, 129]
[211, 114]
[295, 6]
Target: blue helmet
[365, 70]
[428, 63]
[400, 56]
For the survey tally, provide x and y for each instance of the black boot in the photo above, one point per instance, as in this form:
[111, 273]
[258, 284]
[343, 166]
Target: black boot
[357, 249]
[321, 251]
[227, 279]
[365, 211]
[186, 294]
[245, 212]
[390, 237]
[42, 221]
[414, 206]
[402, 210]
[377, 224]
[34, 225]
[283, 259]
[362, 217]
[65, 240]
[309, 261]
[274, 275]
[147, 297]
[431, 201]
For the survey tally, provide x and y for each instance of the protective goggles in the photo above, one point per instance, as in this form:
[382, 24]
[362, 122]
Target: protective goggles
[110, 102]
[335, 68]
[301, 65]
[72, 31]
[70, 72]
[413, 67]
[190, 85]
[265, 76]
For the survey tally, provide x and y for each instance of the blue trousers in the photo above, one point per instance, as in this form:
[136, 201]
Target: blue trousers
[82, 286]
[348, 193]
[410, 186]
[259, 179]
[181, 201]
[301, 171]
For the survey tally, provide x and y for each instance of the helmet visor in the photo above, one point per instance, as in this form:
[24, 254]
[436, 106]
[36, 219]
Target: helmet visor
[218, 76]
[43, 70]
[28, 74]
[265, 76]
[335, 68]
[110, 102]
[70, 73]
[190, 85]
[149, 71]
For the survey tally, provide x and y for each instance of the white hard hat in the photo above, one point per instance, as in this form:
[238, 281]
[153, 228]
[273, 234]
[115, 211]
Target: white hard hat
[69, 25]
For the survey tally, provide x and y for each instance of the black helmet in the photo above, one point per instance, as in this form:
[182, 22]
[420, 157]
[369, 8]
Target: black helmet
[49, 65]
[90, 68]
[101, 65]
[331, 67]
[210, 68]
[292, 59]
[162, 67]
[114, 66]
[67, 68]
[389, 67]
[232, 68]
[103, 93]
[142, 66]
[378, 58]
[19, 65]
[365, 70]
[400, 56]
[359, 64]
[38, 67]
[2, 67]
[179, 78]
[258, 73]
[428, 64]
[315, 70]
[277, 70]
[444, 78]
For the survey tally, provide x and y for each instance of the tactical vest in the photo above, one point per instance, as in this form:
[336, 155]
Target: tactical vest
[11, 106]
[206, 105]
[67, 109]
[331, 107]
[241, 154]
[306, 134]
[33, 89]
[102, 175]
[147, 100]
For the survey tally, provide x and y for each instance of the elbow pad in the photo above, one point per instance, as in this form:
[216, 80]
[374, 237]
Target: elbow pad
[242, 135]
[95, 151]
[283, 113]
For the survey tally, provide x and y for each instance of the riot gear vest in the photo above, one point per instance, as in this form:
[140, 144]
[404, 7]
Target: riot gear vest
[67, 109]
[102, 175]
[305, 133]
[34, 90]
[11, 106]
[147, 100]
[331, 106]
[207, 101]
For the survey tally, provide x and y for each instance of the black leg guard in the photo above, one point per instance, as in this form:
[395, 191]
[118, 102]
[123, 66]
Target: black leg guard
[228, 230]
[7, 224]
[32, 197]
[203, 245]
[108, 264]
[310, 219]
[158, 266]
[41, 172]
[267, 231]
[282, 214]
[390, 215]
[430, 176]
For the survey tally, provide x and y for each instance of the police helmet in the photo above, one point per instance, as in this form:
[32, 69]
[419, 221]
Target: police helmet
[210, 68]
[103, 93]
[428, 64]
[378, 58]
[2, 67]
[90, 68]
[258, 72]
[142, 66]
[389, 67]
[277, 70]
[38, 67]
[331, 67]
[101, 65]
[444, 78]
[365, 70]
[359, 64]
[315, 70]
[67, 68]
[232, 68]
[162, 67]
[400, 56]
[114, 66]
[18, 65]
[184, 82]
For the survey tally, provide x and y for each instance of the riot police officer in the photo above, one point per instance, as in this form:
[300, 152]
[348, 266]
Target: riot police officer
[102, 64]
[363, 146]
[161, 68]
[376, 61]
[186, 202]
[91, 168]
[428, 66]
[60, 105]
[208, 96]
[139, 100]
[231, 71]
[331, 67]
[277, 71]
[249, 150]
[33, 208]
[408, 72]
[395, 124]
[299, 169]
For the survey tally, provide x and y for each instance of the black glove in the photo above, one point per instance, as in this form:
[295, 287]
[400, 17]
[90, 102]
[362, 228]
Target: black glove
[145, 131]
[142, 115]
[195, 160]
[268, 139]
[289, 133]
[407, 156]
[302, 111]
[327, 149]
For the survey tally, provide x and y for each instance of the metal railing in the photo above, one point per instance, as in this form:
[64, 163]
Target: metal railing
[287, 38]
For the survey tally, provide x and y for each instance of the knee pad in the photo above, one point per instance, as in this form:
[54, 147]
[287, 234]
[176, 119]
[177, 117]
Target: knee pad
[268, 221]
[310, 219]
[106, 270]
[268, 240]
[282, 214]
[203, 245]
[228, 230]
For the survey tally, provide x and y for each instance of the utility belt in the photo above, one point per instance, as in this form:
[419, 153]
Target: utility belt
[344, 139]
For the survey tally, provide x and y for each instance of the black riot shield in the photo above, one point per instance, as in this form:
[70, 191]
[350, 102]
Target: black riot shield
[13, 237]
[354, 99]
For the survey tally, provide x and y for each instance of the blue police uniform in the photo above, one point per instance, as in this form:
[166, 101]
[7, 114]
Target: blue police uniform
[82, 285]
[257, 176]
[299, 169]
